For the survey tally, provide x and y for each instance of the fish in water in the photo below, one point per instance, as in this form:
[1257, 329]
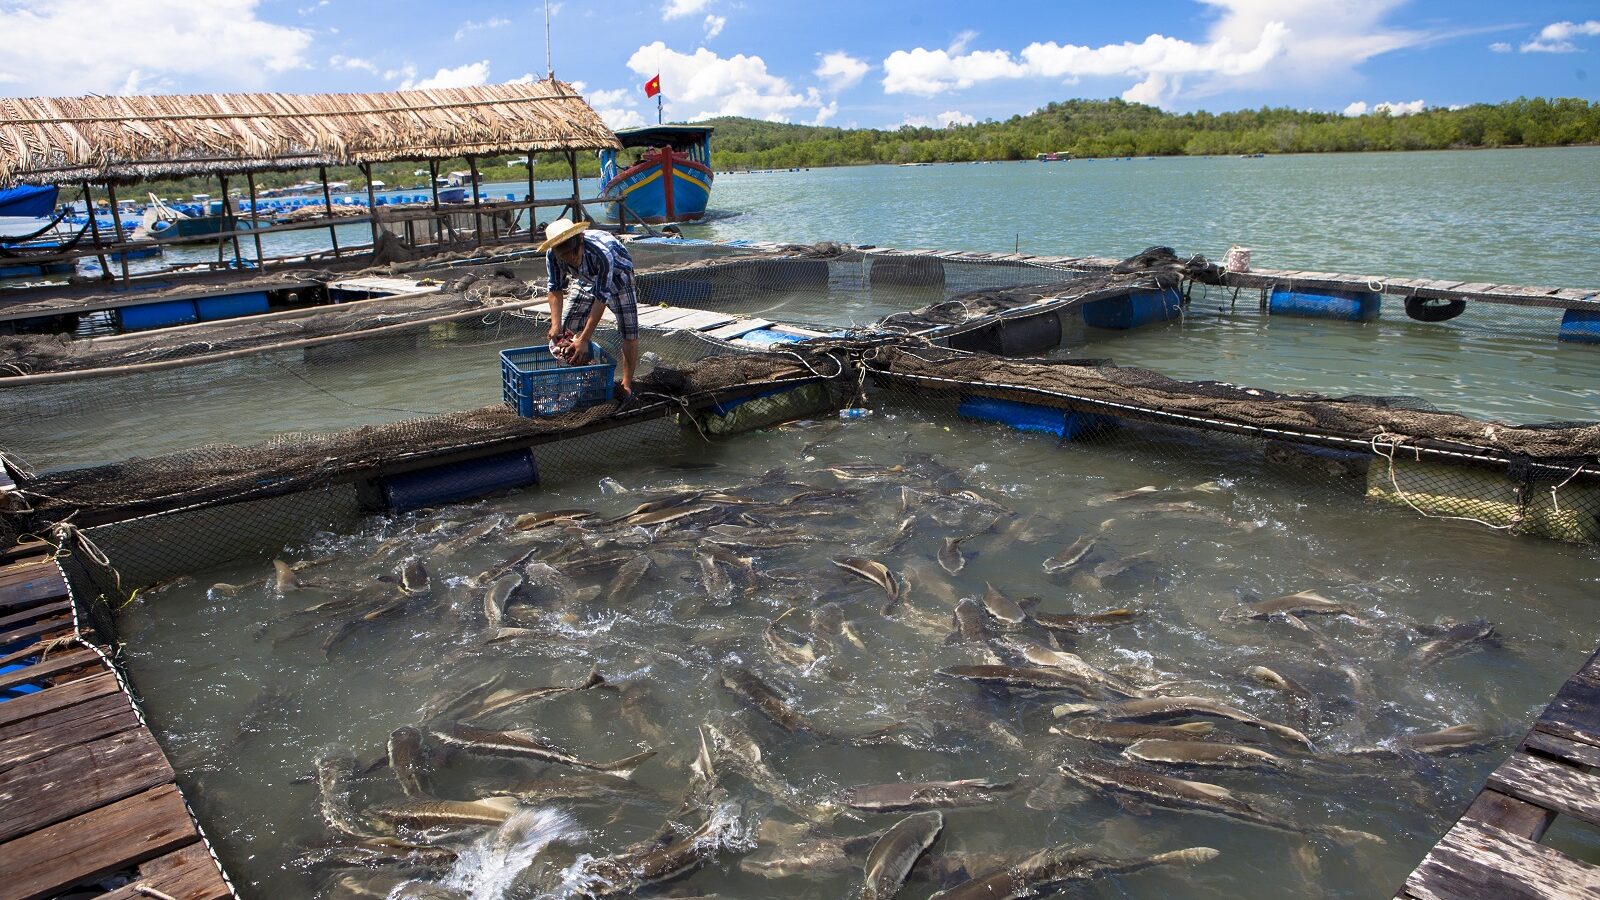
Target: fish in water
[1074, 553]
[284, 579]
[1201, 753]
[1120, 496]
[1077, 624]
[749, 687]
[498, 595]
[530, 521]
[1003, 608]
[893, 542]
[579, 788]
[891, 859]
[334, 774]
[435, 813]
[739, 752]
[664, 516]
[713, 580]
[1299, 697]
[1049, 870]
[1192, 796]
[873, 571]
[653, 863]
[828, 624]
[908, 796]
[1122, 734]
[1176, 707]
[1453, 639]
[490, 697]
[1030, 678]
[522, 744]
[1445, 740]
[1037, 654]
[951, 559]
[413, 576]
[406, 761]
[1291, 607]
[797, 655]
[970, 623]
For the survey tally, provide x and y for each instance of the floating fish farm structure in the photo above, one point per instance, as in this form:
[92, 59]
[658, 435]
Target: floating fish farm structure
[745, 338]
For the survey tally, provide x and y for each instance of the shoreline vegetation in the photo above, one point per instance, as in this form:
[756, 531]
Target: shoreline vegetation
[1083, 128]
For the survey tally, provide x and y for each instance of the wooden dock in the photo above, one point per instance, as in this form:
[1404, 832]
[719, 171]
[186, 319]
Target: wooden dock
[87, 798]
[1493, 850]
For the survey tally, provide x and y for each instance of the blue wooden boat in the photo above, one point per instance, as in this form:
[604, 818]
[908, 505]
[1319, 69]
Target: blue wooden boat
[670, 182]
[26, 201]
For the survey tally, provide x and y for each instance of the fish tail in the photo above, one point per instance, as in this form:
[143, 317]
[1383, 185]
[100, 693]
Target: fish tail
[595, 679]
[624, 765]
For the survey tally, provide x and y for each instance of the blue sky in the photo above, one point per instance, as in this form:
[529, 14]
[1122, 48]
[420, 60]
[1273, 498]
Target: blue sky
[878, 64]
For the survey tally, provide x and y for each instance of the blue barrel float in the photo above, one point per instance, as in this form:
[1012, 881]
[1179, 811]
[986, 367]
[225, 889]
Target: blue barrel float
[457, 481]
[1581, 326]
[1343, 306]
[1134, 309]
[1065, 424]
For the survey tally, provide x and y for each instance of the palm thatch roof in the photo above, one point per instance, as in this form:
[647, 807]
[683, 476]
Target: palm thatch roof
[45, 140]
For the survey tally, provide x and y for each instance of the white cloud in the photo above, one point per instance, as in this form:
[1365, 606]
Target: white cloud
[352, 62]
[714, 25]
[406, 72]
[617, 97]
[308, 10]
[825, 113]
[841, 70]
[1500, 47]
[467, 75]
[962, 42]
[677, 9]
[83, 46]
[703, 84]
[616, 118]
[469, 26]
[947, 119]
[1405, 108]
[1557, 37]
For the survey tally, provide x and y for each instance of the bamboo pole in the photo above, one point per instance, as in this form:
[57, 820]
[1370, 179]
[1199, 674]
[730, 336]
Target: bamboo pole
[116, 223]
[227, 213]
[533, 210]
[433, 185]
[477, 216]
[94, 231]
[372, 205]
[327, 207]
[255, 221]
[577, 202]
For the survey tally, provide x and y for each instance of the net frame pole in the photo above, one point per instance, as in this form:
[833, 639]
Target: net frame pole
[116, 224]
[533, 208]
[433, 185]
[477, 203]
[372, 205]
[255, 221]
[227, 213]
[94, 232]
[327, 209]
[577, 197]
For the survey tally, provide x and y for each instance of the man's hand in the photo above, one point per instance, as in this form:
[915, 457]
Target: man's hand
[555, 332]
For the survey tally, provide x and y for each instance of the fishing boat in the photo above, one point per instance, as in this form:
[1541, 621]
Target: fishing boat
[670, 181]
[164, 223]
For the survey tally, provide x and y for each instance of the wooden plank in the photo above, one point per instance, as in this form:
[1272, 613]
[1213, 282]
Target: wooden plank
[186, 874]
[79, 723]
[736, 328]
[37, 612]
[95, 844]
[702, 320]
[60, 696]
[1549, 784]
[78, 778]
[1510, 814]
[31, 593]
[1576, 294]
[1575, 711]
[28, 572]
[24, 567]
[1562, 748]
[43, 629]
[56, 665]
[1478, 862]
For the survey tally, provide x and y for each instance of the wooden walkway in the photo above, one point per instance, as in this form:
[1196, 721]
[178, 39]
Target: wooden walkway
[1494, 849]
[86, 795]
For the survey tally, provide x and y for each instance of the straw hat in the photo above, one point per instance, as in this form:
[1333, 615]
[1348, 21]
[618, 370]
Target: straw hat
[559, 231]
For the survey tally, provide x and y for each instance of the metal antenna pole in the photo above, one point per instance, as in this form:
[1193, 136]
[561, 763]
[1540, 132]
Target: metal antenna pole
[549, 66]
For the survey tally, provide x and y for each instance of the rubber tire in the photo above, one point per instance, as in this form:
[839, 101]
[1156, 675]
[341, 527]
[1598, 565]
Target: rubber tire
[1423, 309]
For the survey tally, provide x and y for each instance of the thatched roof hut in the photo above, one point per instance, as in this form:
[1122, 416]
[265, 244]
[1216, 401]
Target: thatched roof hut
[46, 140]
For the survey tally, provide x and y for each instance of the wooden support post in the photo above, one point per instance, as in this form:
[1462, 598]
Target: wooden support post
[433, 185]
[227, 213]
[578, 211]
[533, 211]
[255, 221]
[94, 231]
[116, 223]
[372, 205]
[477, 216]
[327, 208]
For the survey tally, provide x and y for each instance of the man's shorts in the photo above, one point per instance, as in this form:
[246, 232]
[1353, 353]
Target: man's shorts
[624, 304]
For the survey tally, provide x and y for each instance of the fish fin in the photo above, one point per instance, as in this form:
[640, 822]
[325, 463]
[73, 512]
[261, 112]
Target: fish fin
[626, 765]
[1072, 709]
[1214, 791]
[1196, 728]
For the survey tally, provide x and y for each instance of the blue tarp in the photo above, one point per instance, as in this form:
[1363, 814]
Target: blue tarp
[28, 202]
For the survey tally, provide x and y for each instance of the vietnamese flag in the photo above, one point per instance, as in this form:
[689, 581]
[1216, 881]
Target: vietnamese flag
[653, 86]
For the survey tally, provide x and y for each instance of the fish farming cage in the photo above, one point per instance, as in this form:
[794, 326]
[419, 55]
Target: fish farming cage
[970, 341]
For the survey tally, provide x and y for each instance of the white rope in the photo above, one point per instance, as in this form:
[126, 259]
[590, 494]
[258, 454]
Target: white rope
[1394, 442]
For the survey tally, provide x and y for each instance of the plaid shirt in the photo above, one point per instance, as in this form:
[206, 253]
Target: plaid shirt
[605, 266]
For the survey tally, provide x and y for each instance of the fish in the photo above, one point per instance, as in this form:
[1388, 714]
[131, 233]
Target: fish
[334, 774]
[413, 576]
[1029, 678]
[1453, 639]
[490, 697]
[1037, 654]
[1299, 698]
[435, 813]
[1072, 555]
[908, 796]
[1011, 534]
[523, 744]
[951, 559]
[380, 610]
[1174, 707]
[892, 857]
[970, 623]
[713, 580]
[894, 541]
[1122, 734]
[496, 597]
[664, 516]
[1048, 870]
[224, 589]
[1290, 607]
[797, 655]
[579, 788]
[1191, 796]
[818, 857]
[873, 571]
[749, 687]
[739, 752]
[669, 502]
[1002, 607]
[284, 579]
[1077, 624]
[621, 587]
[1120, 496]
[1445, 740]
[828, 624]
[530, 521]
[406, 761]
[625, 873]
[863, 472]
[1201, 753]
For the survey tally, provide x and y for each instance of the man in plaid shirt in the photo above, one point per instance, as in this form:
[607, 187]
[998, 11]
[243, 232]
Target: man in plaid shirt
[600, 261]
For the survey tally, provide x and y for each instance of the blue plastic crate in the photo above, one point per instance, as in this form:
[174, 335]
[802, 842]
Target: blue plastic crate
[536, 384]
